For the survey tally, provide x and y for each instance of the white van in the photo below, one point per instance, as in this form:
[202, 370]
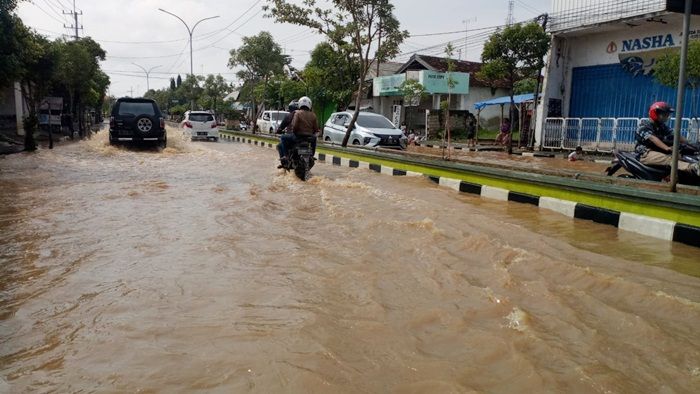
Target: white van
[270, 120]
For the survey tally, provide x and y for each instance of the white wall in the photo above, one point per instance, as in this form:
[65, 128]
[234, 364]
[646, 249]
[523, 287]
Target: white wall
[592, 47]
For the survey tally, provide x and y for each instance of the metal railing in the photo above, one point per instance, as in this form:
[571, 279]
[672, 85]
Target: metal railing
[603, 134]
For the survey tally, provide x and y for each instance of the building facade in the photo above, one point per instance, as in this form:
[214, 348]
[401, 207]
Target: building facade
[431, 72]
[602, 60]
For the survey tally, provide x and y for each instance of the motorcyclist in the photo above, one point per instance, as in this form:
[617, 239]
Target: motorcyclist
[304, 124]
[292, 108]
[652, 136]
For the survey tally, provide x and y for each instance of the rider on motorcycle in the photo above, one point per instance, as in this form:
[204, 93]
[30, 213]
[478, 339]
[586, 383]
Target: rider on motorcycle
[651, 136]
[293, 107]
[304, 124]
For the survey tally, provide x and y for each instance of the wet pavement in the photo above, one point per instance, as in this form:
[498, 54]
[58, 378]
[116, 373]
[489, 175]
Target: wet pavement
[204, 268]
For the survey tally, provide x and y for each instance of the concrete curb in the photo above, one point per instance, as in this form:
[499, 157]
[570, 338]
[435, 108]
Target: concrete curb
[649, 226]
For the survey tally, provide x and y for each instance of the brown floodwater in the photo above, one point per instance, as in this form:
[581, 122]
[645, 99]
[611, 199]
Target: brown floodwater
[203, 268]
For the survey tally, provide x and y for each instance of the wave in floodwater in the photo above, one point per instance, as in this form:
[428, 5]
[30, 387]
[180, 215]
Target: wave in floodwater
[203, 267]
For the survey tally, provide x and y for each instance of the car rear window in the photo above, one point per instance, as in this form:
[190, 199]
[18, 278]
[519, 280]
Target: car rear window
[136, 108]
[374, 122]
[279, 115]
[201, 117]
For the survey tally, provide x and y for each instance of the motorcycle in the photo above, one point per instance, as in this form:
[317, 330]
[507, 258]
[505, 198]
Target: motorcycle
[636, 170]
[301, 158]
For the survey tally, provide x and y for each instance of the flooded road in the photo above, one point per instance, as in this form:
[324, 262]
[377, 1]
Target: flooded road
[203, 268]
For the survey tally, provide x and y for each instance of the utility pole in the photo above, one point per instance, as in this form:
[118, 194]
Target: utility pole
[533, 118]
[75, 26]
[511, 6]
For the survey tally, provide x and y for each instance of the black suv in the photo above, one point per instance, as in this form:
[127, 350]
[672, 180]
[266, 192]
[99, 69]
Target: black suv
[137, 120]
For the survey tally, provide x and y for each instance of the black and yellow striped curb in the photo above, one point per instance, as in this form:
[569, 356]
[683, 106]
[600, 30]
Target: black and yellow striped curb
[641, 211]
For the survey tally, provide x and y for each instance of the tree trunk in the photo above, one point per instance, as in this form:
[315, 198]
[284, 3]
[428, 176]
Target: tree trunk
[30, 121]
[351, 126]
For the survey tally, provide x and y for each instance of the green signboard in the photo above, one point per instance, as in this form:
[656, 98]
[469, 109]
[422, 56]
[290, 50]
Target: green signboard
[436, 82]
[388, 86]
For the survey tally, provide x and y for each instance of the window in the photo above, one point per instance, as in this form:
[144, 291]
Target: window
[340, 120]
[136, 108]
[279, 115]
[374, 122]
[266, 116]
[201, 117]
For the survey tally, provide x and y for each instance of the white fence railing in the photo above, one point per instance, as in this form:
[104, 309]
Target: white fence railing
[603, 134]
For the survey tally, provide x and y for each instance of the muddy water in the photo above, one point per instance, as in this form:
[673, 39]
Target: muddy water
[202, 268]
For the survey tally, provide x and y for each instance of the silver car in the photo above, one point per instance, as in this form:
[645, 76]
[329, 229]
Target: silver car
[371, 130]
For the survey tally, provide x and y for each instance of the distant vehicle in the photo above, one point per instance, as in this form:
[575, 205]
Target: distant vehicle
[137, 120]
[243, 125]
[371, 130]
[200, 125]
[270, 120]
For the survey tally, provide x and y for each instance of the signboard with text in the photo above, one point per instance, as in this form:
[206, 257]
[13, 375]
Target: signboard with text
[388, 86]
[437, 82]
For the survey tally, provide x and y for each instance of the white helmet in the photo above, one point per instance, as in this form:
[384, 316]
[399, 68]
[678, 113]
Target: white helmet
[305, 102]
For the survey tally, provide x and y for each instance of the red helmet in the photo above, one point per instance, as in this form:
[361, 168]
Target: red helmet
[659, 111]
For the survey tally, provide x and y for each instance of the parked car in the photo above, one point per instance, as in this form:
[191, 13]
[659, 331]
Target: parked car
[243, 125]
[269, 120]
[200, 125]
[371, 130]
[137, 120]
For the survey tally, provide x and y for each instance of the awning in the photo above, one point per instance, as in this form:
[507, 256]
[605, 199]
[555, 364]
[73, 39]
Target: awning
[519, 99]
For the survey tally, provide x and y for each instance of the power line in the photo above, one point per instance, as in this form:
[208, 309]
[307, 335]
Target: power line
[47, 14]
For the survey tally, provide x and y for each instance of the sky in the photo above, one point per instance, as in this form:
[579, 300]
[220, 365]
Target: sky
[134, 31]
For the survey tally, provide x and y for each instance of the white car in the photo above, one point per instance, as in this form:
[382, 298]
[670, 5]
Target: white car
[200, 125]
[270, 120]
[371, 130]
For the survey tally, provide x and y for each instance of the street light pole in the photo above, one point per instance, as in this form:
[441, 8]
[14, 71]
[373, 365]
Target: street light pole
[189, 31]
[682, 80]
[148, 72]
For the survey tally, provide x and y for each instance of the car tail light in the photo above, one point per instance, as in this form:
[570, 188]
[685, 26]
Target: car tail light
[188, 125]
[112, 122]
[213, 125]
[162, 123]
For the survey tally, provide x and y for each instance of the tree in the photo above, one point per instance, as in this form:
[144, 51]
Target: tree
[79, 71]
[215, 88]
[525, 86]
[413, 92]
[172, 84]
[331, 74]
[359, 26]
[261, 58]
[669, 65]
[512, 54]
[179, 80]
[37, 60]
[191, 89]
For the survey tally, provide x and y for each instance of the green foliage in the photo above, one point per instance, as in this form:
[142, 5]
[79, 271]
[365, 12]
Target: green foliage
[668, 66]
[514, 53]
[331, 74]
[350, 25]
[412, 89]
[260, 56]
[179, 80]
[524, 86]
[172, 84]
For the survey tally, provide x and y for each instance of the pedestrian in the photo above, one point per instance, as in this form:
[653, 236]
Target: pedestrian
[412, 137]
[503, 137]
[471, 129]
[577, 154]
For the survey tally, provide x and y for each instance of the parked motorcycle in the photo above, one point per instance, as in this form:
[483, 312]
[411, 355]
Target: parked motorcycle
[636, 170]
[301, 158]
